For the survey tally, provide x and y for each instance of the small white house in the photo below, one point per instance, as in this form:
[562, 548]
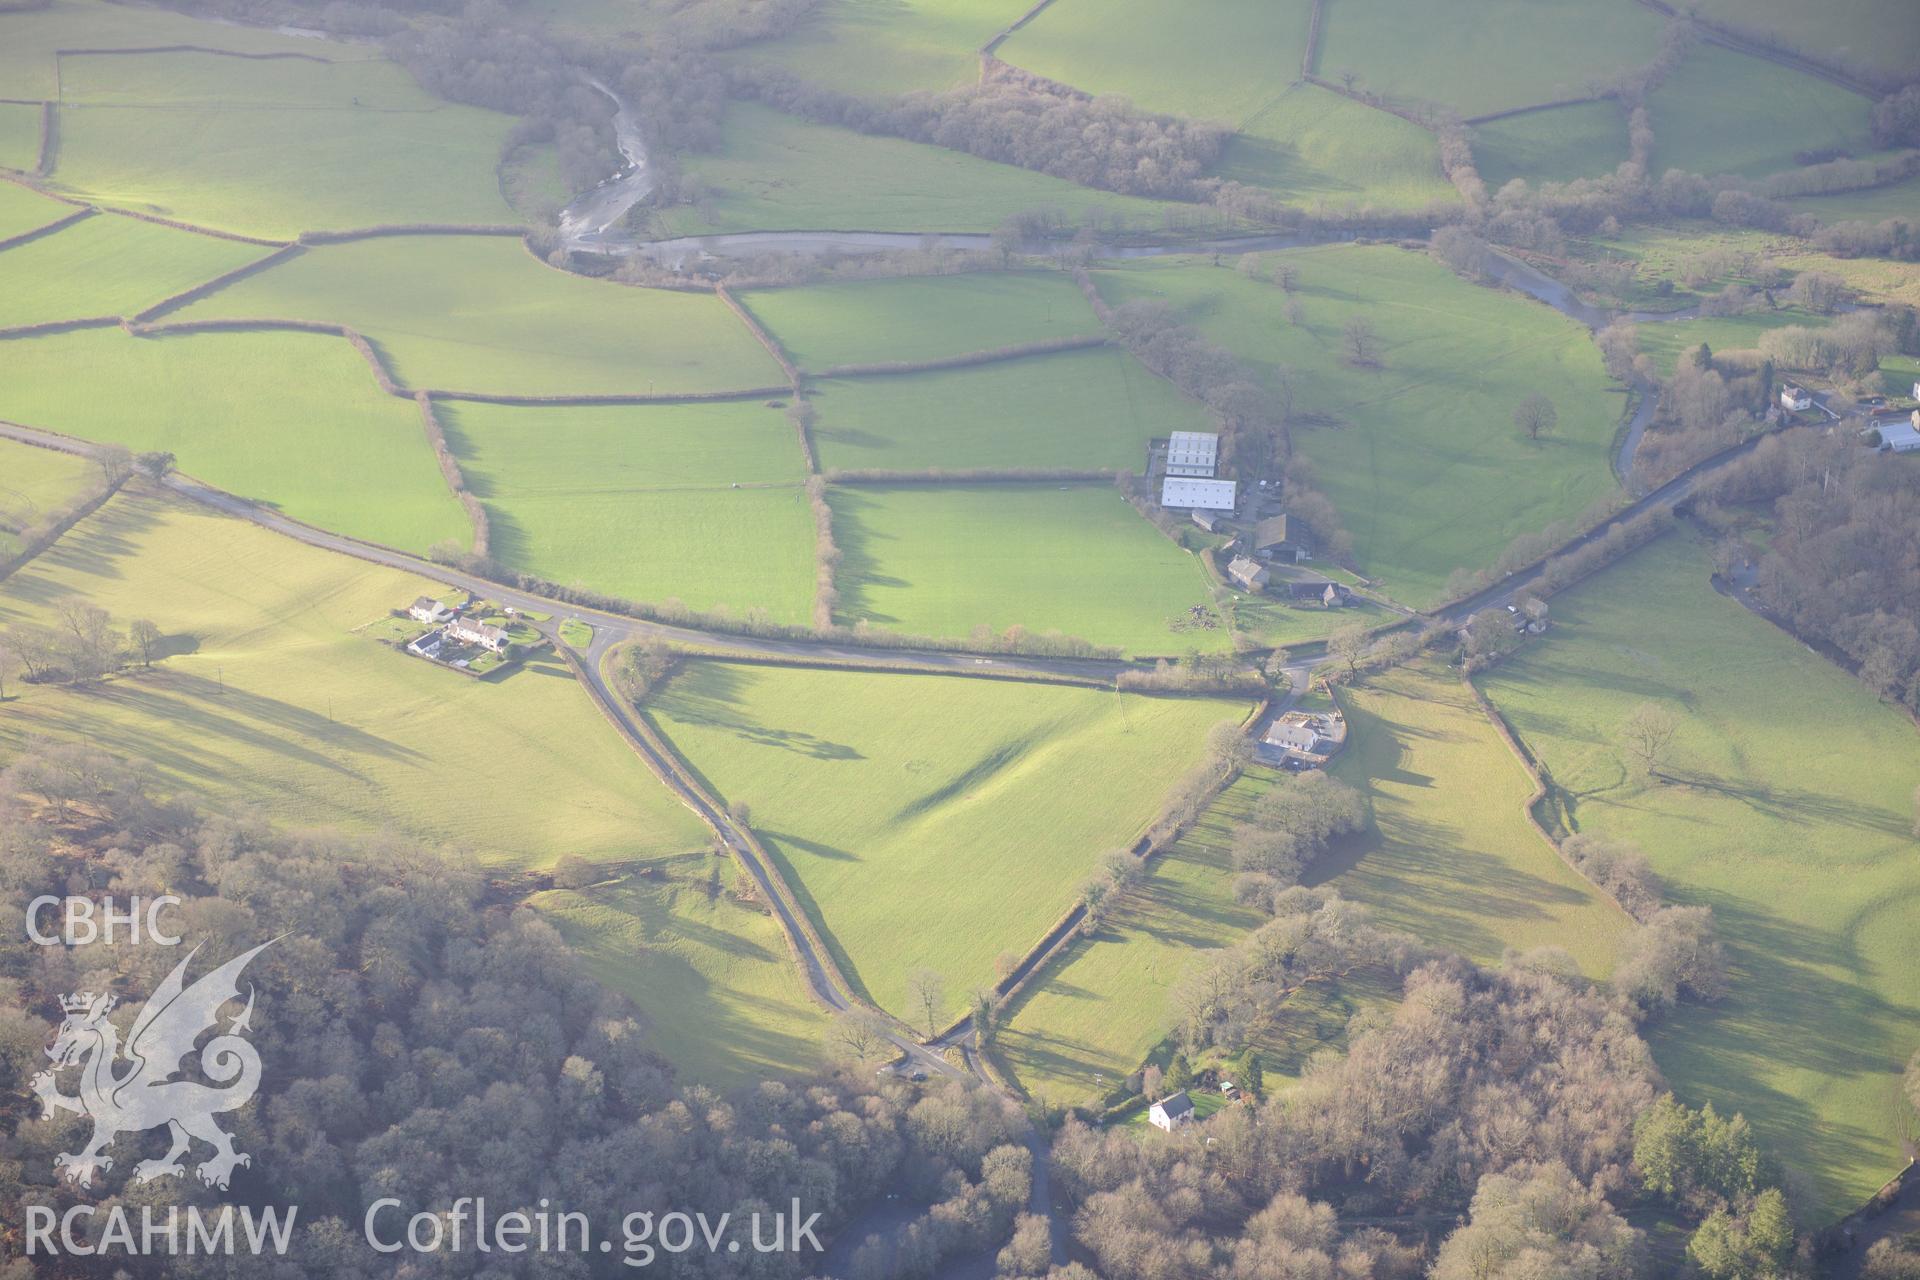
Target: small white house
[472, 631]
[1198, 495]
[1192, 453]
[1171, 1112]
[427, 609]
[1916, 391]
[1794, 398]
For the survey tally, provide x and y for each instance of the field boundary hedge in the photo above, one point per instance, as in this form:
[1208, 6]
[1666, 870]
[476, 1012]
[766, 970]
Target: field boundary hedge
[971, 475]
[455, 478]
[58, 224]
[1541, 790]
[760, 333]
[1556, 105]
[287, 54]
[57, 326]
[987, 50]
[49, 140]
[1755, 46]
[1010, 675]
[68, 516]
[387, 229]
[207, 287]
[994, 355]
[1310, 53]
[665, 397]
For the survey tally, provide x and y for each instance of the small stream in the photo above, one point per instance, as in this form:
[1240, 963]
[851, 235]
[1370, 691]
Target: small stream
[588, 223]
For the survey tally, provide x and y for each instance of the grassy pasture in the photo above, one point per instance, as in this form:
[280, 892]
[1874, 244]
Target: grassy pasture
[479, 313]
[1662, 250]
[1789, 814]
[274, 148]
[34, 482]
[777, 172]
[290, 419]
[1879, 34]
[1271, 621]
[638, 501]
[1669, 340]
[1724, 112]
[1423, 459]
[1449, 856]
[1096, 1012]
[1899, 200]
[883, 47]
[19, 135]
[723, 999]
[1317, 148]
[28, 40]
[1581, 141]
[1087, 409]
[269, 698]
[23, 209]
[1482, 56]
[921, 317]
[108, 266]
[942, 560]
[1215, 60]
[929, 820]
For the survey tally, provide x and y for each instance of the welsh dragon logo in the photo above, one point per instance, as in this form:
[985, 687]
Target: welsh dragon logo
[130, 1088]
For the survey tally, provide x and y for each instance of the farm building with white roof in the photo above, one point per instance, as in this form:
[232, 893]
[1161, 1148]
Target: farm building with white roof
[1184, 492]
[1192, 453]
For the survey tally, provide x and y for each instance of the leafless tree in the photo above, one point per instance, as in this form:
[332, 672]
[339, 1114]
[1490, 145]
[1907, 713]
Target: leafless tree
[1648, 735]
[1536, 416]
[145, 637]
[859, 1036]
[927, 993]
[1363, 343]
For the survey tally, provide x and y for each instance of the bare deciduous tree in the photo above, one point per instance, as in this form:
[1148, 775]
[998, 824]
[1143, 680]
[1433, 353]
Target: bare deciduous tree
[1363, 343]
[927, 993]
[1536, 416]
[145, 638]
[1648, 735]
[859, 1036]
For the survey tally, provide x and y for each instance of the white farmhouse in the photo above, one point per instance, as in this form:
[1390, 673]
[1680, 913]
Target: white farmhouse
[473, 631]
[1192, 453]
[427, 609]
[1198, 495]
[1795, 398]
[1171, 1112]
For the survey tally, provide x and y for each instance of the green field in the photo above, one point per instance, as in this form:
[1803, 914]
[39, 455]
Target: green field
[22, 209]
[1667, 341]
[1790, 815]
[1316, 148]
[289, 419]
[1422, 456]
[723, 1000]
[1270, 621]
[639, 501]
[19, 135]
[1780, 112]
[881, 47]
[1584, 141]
[921, 317]
[32, 36]
[1093, 1014]
[34, 482]
[1484, 55]
[776, 172]
[108, 266]
[931, 820]
[480, 313]
[269, 698]
[1878, 34]
[1215, 60]
[1450, 857]
[1898, 200]
[941, 560]
[1092, 409]
[273, 148]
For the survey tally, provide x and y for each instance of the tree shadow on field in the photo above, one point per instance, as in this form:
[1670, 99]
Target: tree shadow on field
[719, 694]
[97, 548]
[1794, 805]
[860, 553]
[812, 848]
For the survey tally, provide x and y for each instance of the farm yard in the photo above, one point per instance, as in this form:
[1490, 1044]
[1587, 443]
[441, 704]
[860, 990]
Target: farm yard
[1806, 856]
[265, 696]
[942, 560]
[290, 419]
[1411, 445]
[890, 800]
